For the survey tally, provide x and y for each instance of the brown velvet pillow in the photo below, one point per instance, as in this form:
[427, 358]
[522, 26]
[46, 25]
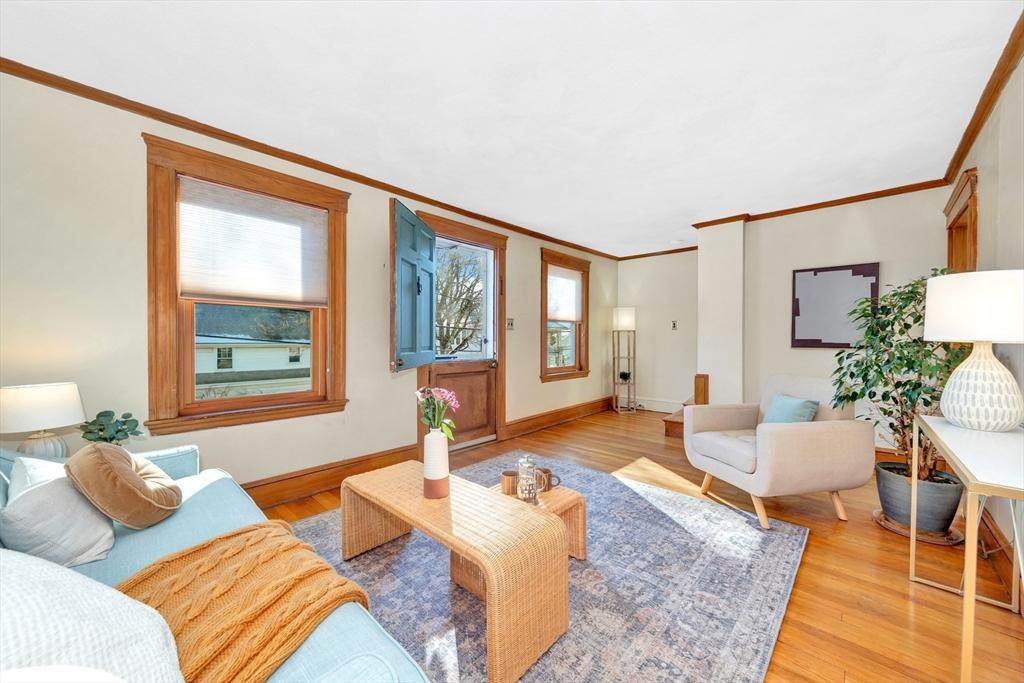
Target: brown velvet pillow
[128, 489]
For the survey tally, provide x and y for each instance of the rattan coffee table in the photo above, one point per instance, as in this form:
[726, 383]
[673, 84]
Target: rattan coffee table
[571, 506]
[512, 555]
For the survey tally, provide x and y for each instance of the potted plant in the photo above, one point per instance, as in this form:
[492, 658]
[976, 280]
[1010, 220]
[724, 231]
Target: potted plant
[624, 376]
[902, 375]
[106, 428]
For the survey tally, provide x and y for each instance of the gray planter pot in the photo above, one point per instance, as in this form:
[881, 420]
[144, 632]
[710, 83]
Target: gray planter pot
[936, 501]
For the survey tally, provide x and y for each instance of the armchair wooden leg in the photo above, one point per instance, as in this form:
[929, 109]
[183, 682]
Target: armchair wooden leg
[837, 503]
[706, 485]
[762, 516]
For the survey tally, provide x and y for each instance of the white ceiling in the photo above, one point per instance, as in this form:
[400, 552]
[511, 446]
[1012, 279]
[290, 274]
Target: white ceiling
[615, 126]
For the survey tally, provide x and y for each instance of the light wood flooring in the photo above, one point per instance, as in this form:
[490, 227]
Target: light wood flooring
[853, 615]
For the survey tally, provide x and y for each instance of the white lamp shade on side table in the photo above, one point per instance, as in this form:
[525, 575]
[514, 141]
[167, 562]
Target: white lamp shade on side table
[980, 308]
[36, 408]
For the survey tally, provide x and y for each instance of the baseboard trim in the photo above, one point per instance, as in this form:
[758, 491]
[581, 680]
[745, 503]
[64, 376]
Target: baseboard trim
[659, 405]
[291, 486]
[558, 416]
[284, 488]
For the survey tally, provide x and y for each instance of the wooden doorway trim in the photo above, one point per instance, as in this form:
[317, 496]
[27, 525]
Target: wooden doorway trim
[962, 223]
[462, 232]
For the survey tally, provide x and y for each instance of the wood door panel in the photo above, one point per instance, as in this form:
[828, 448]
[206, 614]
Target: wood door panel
[474, 383]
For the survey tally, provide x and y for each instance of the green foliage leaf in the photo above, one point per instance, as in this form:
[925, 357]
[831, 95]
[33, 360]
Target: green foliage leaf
[106, 429]
[891, 364]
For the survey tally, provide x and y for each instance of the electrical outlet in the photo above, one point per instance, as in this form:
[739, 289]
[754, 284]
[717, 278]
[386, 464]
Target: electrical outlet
[675, 325]
[510, 324]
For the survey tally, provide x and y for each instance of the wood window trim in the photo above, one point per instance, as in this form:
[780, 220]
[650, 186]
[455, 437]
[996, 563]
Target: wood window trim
[549, 257]
[166, 160]
[961, 212]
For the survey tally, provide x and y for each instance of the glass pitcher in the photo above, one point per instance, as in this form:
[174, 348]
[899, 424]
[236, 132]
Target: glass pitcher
[526, 482]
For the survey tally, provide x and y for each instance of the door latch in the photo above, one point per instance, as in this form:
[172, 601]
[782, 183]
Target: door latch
[419, 285]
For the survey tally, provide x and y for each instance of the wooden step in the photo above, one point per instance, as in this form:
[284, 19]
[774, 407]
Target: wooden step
[674, 424]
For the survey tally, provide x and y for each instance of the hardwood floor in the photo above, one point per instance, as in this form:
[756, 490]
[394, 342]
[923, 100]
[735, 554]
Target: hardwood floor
[853, 615]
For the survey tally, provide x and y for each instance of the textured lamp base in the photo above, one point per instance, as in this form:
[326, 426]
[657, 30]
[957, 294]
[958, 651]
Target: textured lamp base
[982, 394]
[44, 445]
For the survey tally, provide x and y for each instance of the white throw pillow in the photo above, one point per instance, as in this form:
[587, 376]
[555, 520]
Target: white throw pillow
[47, 517]
[54, 616]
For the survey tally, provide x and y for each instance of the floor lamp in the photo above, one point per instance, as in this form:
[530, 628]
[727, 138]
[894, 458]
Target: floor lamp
[624, 359]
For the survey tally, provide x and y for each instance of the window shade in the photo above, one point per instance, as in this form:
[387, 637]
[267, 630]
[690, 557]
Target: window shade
[565, 294]
[242, 245]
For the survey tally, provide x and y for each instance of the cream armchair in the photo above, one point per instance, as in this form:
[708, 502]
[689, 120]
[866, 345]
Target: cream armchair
[832, 453]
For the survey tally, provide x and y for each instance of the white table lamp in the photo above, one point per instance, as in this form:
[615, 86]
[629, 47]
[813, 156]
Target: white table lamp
[980, 308]
[36, 408]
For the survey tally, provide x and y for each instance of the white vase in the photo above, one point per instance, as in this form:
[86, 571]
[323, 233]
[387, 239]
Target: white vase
[435, 464]
[982, 394]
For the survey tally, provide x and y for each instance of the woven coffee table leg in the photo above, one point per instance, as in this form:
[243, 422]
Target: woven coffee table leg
[575, 519]
[527, 590]
[467, 575]
[365, 525]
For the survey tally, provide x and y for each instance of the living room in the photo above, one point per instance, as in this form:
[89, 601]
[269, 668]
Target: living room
[230, 264]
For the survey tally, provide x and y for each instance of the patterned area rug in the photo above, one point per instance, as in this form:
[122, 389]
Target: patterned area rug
[675, 588]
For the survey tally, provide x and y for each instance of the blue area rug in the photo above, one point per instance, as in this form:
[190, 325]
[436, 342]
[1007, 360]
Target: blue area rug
[675, 588]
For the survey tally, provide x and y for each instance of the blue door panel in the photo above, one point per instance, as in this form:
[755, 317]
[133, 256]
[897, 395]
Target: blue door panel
[414, 289]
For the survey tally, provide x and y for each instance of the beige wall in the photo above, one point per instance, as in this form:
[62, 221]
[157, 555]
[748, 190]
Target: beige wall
[998, 154]
[73, 290]
[663, 289]
[905, 233]
[720, 304]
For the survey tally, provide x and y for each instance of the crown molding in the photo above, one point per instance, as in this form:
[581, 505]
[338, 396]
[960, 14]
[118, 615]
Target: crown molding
[720, 221]
[28, 73]
[666, 252]
[1008, 61]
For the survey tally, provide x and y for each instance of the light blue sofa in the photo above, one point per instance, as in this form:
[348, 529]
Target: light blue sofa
[347, 646]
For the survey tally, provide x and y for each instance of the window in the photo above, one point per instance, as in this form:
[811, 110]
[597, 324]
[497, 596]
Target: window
[223, 356]
[246, 292]
[464, 311]
[564, 302]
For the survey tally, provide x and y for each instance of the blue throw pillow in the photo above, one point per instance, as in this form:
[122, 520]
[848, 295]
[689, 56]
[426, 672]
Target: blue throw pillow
[789, 409]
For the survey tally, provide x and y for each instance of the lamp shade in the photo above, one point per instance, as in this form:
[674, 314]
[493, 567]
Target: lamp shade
[984, 306]
[624, 318]
[35, 407]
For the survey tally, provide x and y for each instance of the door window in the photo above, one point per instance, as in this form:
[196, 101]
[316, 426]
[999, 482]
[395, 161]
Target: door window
[464, 307]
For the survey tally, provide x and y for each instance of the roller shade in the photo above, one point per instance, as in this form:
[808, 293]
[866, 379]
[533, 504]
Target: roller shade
[565, 294]
[235, 244]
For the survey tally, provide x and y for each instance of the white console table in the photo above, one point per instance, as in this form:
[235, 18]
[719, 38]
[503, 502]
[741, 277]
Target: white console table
[988, 464]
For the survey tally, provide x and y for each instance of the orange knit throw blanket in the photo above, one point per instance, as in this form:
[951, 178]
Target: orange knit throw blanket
[243, 602]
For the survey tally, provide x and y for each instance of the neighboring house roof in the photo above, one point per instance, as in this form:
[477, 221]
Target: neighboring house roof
[208, 340]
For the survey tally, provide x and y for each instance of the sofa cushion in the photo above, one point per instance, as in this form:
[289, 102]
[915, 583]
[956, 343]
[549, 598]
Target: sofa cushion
[176, 462]
[735, 448]
[53, 616]
[212, 504]
[48, 518]
[128, 489]
[785, 408]
[349, 645]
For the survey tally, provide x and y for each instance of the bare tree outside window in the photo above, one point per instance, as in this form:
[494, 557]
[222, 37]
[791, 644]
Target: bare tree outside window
[460, 300]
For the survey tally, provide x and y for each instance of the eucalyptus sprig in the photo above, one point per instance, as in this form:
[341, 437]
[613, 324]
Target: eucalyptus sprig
[893, 366]
[106, 428]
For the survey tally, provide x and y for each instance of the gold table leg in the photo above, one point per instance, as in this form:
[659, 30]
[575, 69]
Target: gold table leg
[970, 580]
